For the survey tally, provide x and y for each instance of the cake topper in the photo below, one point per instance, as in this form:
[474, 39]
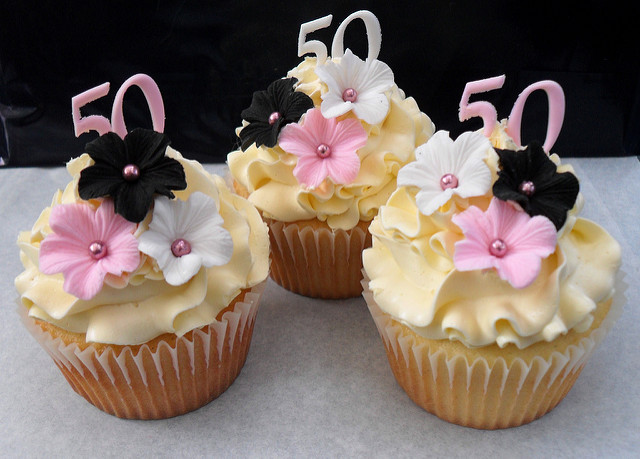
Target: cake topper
[488, 113]
[101, 124]
[372, 25]
[353, 84]
[285, 116]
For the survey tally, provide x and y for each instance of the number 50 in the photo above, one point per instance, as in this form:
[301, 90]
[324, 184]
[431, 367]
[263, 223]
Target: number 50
[101, 124]
[487, 112]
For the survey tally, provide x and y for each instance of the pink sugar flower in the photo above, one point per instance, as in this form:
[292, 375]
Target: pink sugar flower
[86, 245]
[506, 239]
[325, 148]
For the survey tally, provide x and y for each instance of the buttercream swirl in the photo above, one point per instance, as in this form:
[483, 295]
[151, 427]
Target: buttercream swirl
[413, 277]
[267, 173]
[138, 306]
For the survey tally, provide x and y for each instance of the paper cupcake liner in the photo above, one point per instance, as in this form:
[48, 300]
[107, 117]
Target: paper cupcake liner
[315, 261]
[163, 380]
[479, 394]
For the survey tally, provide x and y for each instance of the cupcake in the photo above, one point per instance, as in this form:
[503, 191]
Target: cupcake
[320, 151]
[487, 288]
[142, 278]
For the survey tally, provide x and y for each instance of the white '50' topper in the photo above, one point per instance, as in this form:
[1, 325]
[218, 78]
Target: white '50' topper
[374, 36]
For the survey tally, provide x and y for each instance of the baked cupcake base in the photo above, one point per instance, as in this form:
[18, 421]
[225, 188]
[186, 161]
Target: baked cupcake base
[312, 259]
[488, 387]
[162, 378]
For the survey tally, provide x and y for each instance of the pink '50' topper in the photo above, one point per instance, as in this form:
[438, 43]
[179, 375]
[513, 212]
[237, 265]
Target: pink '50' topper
[101, 124]
[487, 112]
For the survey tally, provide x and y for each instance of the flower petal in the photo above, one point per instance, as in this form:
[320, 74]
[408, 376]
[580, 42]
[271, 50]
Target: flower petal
[471, 255]
[379, 77]
[371, 107]
[348, 137]
[180, 269]
[145, 147]
[310, 171]
[428, 201]
[519, 269]
[99, 180]
[333, 106]
[132, 201]
[538, 236]
[166, 174]
[84, 280]
[58, 255]
[297, 140]
[343, 170]
[420, 175]
[108, 149]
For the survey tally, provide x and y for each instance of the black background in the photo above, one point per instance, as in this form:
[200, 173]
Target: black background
[209, 57]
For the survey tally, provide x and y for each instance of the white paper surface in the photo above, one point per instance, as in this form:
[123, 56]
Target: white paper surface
[316, 382]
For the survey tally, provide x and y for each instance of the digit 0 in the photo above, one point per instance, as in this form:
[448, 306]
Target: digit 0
[154, 101]
[555, 97]
[374, 34]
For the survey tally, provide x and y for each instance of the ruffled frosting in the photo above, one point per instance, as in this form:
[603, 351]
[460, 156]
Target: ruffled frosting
[141, 305]
[267, 173]
[413, 277]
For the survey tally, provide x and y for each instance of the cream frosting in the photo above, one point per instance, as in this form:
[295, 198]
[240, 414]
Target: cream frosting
[267, 173]
[413, 278]
[141, 305]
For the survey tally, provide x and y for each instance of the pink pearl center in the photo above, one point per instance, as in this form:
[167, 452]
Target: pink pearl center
[448, 181]
[97, 249]
[130, 172]
[349, 95]
[498, 248]
[527, 187]
[275, 116]
[323, 150]
[180, 247]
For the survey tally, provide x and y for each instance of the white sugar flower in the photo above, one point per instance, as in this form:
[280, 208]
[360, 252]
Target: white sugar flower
[183, 236]
[443, 168]
[356, 85]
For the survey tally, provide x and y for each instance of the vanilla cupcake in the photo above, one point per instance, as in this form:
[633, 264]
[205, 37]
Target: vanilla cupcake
[142, 278]
[488, 290]
[320, 152]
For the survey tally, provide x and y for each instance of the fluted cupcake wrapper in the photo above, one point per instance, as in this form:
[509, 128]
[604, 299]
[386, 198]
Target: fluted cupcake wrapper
[160, 382]
[476, 393]
[318, 262]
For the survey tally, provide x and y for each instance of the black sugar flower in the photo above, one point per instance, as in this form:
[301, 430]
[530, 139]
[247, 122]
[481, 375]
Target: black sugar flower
[531, 179]
[271, 110]
[131, 171]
